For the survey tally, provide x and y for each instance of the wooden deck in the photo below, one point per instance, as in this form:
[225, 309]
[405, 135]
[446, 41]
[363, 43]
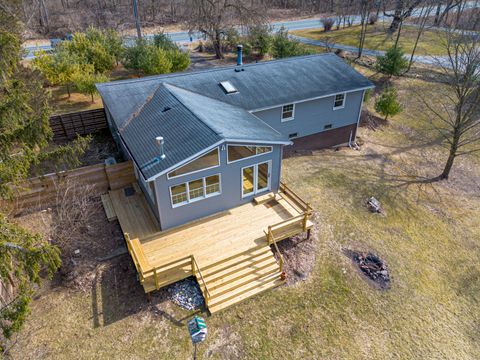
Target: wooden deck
[229, 252]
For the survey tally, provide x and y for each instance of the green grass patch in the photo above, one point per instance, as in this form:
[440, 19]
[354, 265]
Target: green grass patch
[377, 38]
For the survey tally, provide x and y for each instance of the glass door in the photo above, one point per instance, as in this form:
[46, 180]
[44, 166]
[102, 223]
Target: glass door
[255, 179]
[248, 181]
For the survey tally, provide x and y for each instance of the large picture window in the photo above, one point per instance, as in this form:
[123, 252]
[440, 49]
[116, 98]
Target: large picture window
[207, 161]
[237, 152]
[195, 190]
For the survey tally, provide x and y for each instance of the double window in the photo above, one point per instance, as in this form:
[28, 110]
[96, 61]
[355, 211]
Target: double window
[288, 112]
[339, 102]
[240, 152]
[195, 190]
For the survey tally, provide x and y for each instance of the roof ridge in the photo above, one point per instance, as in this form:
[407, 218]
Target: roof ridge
[139, 109]
[167, 86]
[220, 68]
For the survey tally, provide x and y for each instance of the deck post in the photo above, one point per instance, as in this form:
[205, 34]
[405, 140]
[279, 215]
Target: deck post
[193, 265]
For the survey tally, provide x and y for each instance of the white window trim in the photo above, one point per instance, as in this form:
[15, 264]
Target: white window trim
[196, 171]
[255, 179]
[291, 117]
[187, 189]
[250, 157]
[343, 103]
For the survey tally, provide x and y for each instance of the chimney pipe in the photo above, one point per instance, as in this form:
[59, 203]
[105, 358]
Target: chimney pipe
[239, 55]
[160, 142]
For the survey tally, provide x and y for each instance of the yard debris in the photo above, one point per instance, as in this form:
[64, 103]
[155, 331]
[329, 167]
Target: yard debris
[371, 266]
[186, 294]
[374, 206]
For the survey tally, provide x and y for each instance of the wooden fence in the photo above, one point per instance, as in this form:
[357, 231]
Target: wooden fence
[67, 126]
[43, 191]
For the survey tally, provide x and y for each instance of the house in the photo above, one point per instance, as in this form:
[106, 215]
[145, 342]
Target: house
[207, 151]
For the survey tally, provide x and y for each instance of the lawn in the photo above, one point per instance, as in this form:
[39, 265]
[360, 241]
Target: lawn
[429, 240]
[378, 39]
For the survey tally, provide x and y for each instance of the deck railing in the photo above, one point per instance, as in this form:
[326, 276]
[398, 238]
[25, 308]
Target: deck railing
[271, 240]
[196, 270]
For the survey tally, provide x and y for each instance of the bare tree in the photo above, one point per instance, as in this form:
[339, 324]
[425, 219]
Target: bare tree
[422, 22]
[366, 6]
[403, 9]
[457, 116]
[214, 18]
[440, 15]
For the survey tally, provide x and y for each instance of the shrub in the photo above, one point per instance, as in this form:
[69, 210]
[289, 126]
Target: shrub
[393, 62]
[98, 48]
[260, 40]
[148, 58]
[283, 47]
[372, 20]
[163, 41]
[387, 103]
[327, 24]
[368, 95]
[86, 80]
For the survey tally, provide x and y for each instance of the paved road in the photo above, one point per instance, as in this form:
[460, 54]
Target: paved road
[183, 37]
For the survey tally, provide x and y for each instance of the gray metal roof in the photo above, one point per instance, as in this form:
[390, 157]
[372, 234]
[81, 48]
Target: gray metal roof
[202, 113]
[163, 115]
[232, 123]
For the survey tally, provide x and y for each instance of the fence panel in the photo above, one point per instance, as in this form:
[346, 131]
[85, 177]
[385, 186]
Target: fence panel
[67, 126]
[42, 191]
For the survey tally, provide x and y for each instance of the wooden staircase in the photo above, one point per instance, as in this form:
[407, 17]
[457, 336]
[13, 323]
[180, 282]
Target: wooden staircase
[234, 279]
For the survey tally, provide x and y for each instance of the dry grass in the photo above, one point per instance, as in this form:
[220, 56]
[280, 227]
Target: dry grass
[430, 241]
[377, 38]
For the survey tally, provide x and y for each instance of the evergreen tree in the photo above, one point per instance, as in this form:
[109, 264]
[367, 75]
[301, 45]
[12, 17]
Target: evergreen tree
[85, 81]
[393, 63]
[387, 103]
[283, 46]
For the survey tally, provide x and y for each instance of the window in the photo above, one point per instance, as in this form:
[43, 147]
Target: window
[195, 190]
[329, 126]
[339, 101]
[204, 162]
[239, 152]
[292, 136]
[228, 87]
[179, 194]
[288, 112]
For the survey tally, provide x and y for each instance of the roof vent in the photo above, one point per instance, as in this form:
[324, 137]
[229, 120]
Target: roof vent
[160, 143]
[166, 108]
[228, 87]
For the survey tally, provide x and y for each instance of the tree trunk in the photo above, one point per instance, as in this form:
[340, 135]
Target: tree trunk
[93, 100]
[436, 22]
[217, 45]
[397, 20]
[451, 157]
[68, 90]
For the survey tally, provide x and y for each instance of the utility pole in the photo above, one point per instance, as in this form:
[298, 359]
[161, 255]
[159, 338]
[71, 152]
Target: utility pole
[137, 20]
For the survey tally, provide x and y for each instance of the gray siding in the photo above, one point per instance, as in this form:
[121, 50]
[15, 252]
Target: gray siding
[311, 116]
[231, 185]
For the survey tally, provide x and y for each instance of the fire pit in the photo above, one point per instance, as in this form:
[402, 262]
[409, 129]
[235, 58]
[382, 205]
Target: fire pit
[372, 267]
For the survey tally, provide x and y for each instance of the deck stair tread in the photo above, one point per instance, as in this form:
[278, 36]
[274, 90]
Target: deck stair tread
[245, 292]
[241, 270]
[264, 198]
[108, 207]
[234, 264]
[231, 285]
[236, 278]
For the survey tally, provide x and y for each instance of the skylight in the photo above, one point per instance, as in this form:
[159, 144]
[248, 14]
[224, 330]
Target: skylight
[228, 87]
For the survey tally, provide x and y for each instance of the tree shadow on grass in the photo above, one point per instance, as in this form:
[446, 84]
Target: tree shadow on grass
[117, 294]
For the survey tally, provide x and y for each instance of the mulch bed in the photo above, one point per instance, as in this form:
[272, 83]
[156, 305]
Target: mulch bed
[299, 255]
